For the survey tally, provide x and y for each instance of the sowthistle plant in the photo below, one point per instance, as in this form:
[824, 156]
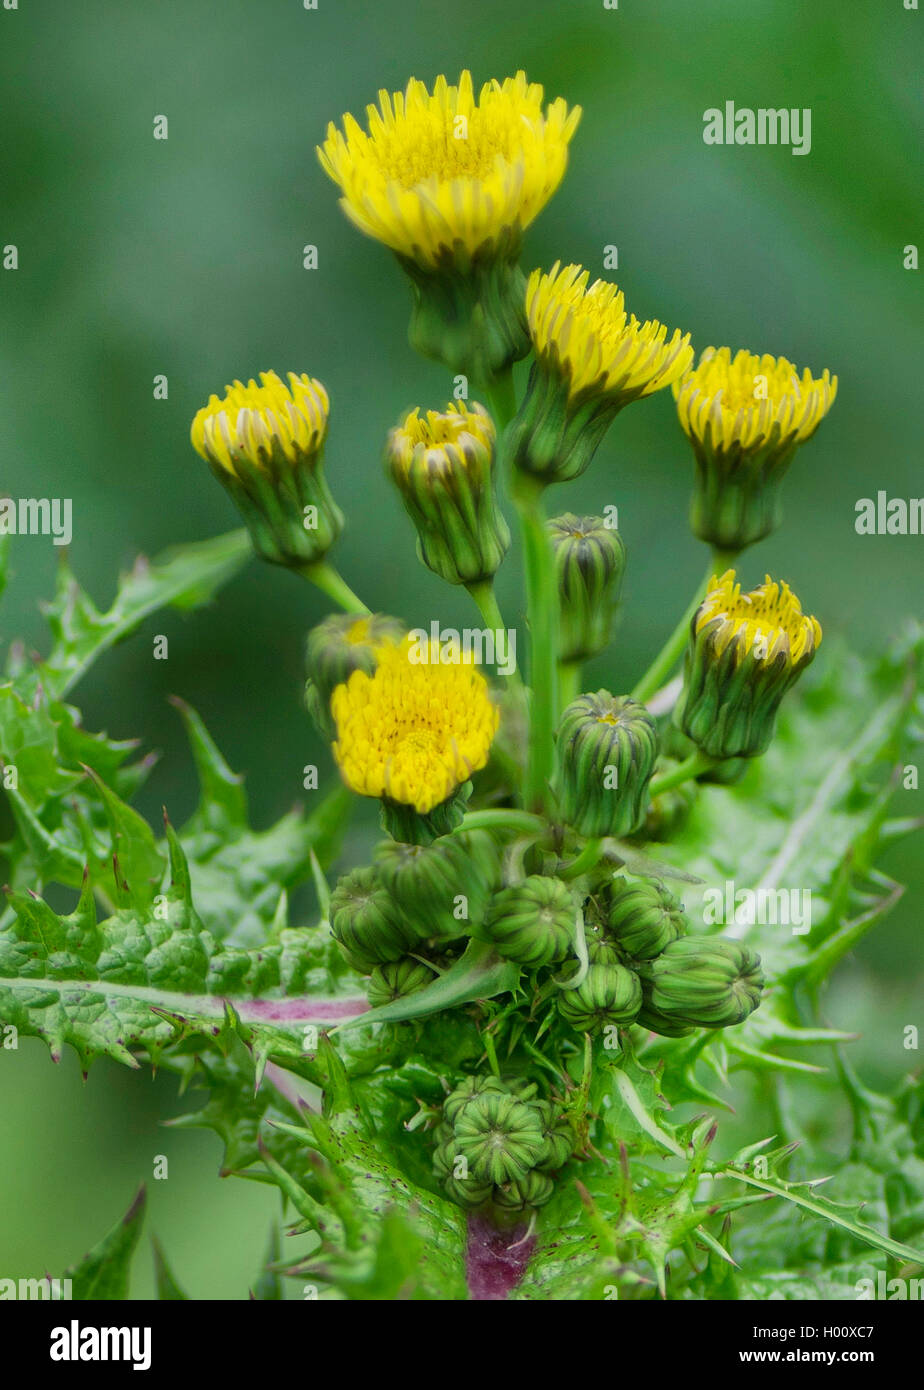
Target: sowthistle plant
[485, 1028]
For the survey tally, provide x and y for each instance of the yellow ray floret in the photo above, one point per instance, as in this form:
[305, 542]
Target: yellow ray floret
[746, 401]
[413, 731]
[437, 170]
[585, 330]
[440, 438]
[250, 420]
[764, 623]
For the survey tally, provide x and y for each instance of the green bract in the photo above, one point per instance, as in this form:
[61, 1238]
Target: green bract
[606, 755]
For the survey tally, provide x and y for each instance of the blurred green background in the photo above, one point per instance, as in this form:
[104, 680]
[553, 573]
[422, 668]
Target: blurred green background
[184, 257]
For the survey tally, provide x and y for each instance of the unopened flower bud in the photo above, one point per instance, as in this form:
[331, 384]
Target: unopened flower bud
[643, 917]
[744, 653]
[337, 647]
[606, 755]
[521, 1193]
[366, 922]
[558, 1134]
[703, 982]
[532, 922]
[466, 1091]
[396, 979]
[264, 445]
[443, 466]
[609, 995]
[444, 886]
[590, 559]
[500, 1136]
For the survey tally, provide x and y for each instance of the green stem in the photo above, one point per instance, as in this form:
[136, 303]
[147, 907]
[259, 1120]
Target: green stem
[502, 399]
[542, 616]
[503, 818]
[690, 767]
[569, 682]
[667, 658]
[588, 857]
[332, 583]
[486, 602]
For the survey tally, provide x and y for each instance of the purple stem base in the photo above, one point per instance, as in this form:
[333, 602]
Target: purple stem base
[495, 1260]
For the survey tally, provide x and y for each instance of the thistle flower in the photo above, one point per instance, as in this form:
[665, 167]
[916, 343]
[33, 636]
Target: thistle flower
[337, 647]
[532, 922]
[592, 360]
[745, 416]
[702, 983]
[590, 558]
[263, 444]
[443, 466]
[449, 182]
[412, 733]
[744, 653]
[606, 754]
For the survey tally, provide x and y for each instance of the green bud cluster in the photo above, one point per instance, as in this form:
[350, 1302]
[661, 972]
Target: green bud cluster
[498, 1142]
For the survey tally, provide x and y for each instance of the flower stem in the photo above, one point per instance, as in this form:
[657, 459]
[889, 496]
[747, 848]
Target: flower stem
[332, 583]
[486, 602]
[542, 615]
[690, 767]
[670, 653]
[569, 681]
[588, 857]
[501, 818]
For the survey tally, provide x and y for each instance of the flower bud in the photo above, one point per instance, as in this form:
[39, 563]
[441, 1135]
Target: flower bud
[337, 647]
[744, 653]
[609, 995]
[643, 917]
[703, 982]
[607, 749]
[443, 466]
[466, 1091]
[264, 445]
[500, 1136]
[442, 887]
[745, 417]
[468, 1192]
[590, 559]
[396, 979]
[591, 360]
[558, 1134]
[532, 922]
[532, 1191]
[366, 922]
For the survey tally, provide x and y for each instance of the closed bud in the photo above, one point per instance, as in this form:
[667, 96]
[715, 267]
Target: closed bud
[745, 651]
[559, 1136]
[590, 559]
[607, 748]
[366, 922]
[608, 995]
[532, 922]
[466, 1091]
[442, 887]
[643, 917]
[501, 1137]
[521, 1193]
[396, 979]
[468, 1192]
[337, 647]
[264, 445]
[703, 983]
[443, 466]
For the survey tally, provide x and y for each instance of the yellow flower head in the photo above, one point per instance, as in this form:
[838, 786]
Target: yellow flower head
[765, 624]
[585, 332]
[442, 439]
[743, 403]
[253, 423]
[413, 731]
[436, 172]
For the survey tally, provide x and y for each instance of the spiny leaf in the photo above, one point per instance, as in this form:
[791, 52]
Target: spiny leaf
[105, 1271]
[479, 973]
